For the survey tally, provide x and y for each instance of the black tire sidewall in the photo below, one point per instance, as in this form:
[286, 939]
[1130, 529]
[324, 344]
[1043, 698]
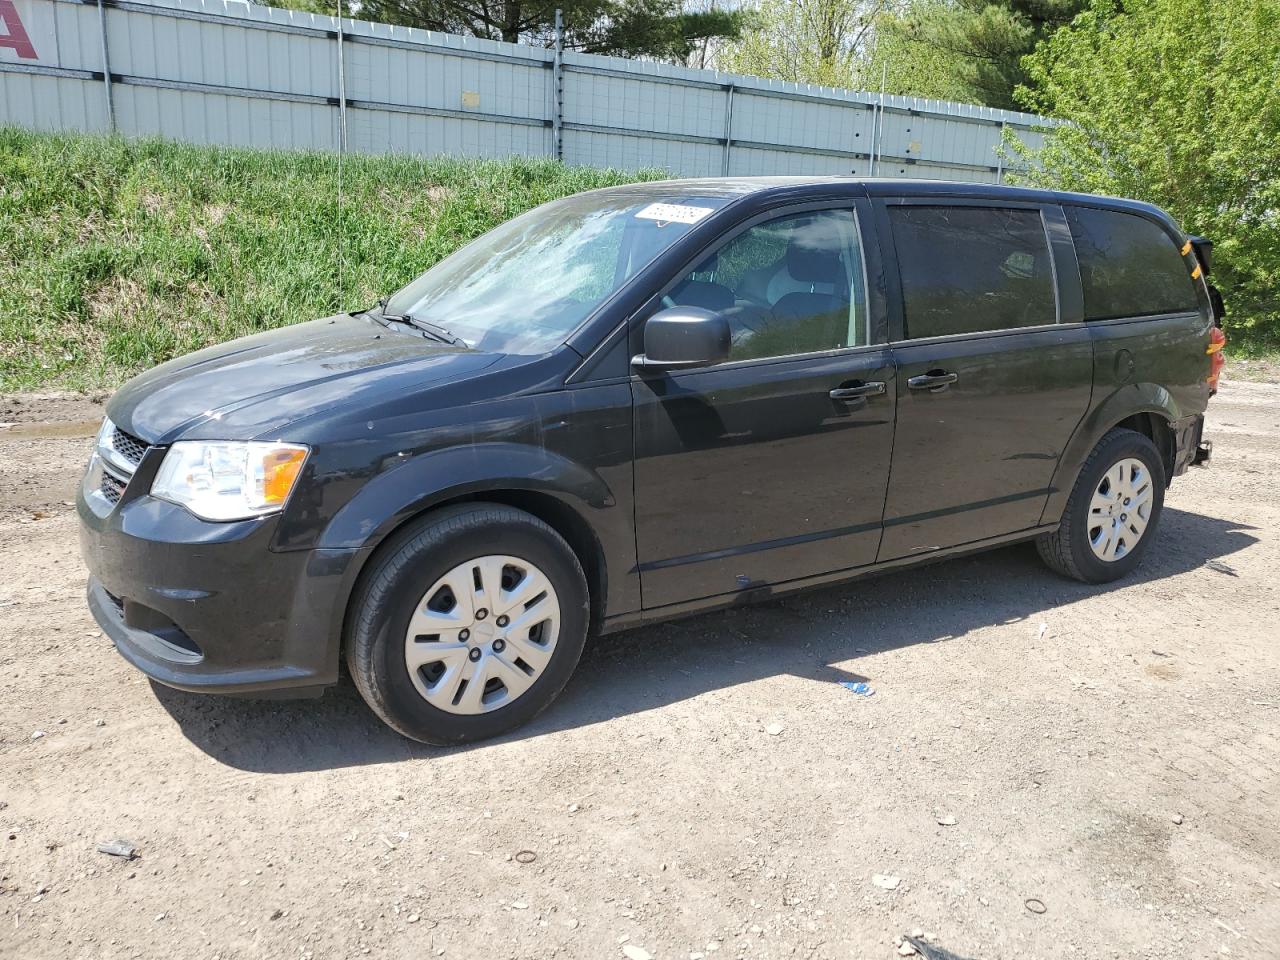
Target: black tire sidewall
[415, 568]
[1114, 448]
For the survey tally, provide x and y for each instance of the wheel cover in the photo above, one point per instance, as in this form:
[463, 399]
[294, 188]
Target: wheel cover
[482, 634]
[1120, 510]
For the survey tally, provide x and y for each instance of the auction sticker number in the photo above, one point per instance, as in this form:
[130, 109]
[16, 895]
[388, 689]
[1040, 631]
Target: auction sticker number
[673, 213]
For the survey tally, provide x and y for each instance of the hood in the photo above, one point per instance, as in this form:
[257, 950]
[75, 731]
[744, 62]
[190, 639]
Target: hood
[247, 387]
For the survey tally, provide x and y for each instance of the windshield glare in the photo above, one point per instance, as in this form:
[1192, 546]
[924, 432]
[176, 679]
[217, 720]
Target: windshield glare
[524, 286]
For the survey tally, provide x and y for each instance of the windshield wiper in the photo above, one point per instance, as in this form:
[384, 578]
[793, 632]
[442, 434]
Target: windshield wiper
[433, 330]
[437, 331]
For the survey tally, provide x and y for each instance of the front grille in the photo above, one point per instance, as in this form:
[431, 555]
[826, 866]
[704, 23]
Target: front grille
[128, 446]
[111, 488]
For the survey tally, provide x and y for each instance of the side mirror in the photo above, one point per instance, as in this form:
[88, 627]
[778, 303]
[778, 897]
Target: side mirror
[684, 337]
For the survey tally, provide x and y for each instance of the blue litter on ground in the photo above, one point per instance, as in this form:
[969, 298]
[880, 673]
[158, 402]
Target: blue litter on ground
[858, 687]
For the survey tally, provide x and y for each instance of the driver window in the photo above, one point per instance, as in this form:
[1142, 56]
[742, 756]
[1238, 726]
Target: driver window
[788, 286]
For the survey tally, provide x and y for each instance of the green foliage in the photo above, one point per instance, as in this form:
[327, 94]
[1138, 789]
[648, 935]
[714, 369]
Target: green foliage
[803, 41]
[661, 29]
[968, 50]
[1176, 102]
[120, 254]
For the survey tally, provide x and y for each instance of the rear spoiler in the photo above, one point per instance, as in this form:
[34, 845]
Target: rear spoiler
[1203, 249]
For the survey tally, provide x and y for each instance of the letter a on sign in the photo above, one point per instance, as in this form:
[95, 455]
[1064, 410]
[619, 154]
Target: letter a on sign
[15, 34]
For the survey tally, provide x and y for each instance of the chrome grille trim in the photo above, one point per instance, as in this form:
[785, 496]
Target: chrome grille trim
[120, 451]
[128, 446]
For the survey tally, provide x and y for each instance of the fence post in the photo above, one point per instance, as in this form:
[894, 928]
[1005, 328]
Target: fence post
[106, 67]
[557, 88]
[728, 131]
[1000, 155]
[342, 88]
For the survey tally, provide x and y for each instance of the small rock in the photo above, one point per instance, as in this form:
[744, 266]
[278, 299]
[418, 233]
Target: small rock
[159, 917]
[99, 722]
[36, 735]
[885, 882]
[276, 914]
[572, 923]
[414, 918]
[1177, 818]
[118, 848]
[62, 720]
[947, 821]
[906, 949]
[519, 905]
[773, 729]
[573, 808]
[632, 952]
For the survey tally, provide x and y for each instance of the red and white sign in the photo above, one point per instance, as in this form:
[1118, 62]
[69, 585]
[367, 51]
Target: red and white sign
[13, 35]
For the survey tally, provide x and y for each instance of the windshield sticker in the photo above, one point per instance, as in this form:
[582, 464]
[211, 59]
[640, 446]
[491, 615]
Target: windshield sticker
[673, 213]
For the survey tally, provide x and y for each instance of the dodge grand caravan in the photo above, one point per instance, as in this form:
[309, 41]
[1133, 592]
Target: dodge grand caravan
[640, 402]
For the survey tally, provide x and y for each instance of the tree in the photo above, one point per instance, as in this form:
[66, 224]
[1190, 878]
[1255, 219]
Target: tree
[974, 48]
[805, 41]
[661, 29]
[1175, 102]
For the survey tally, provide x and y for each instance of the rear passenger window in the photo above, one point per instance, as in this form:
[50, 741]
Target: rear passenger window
[1129, 266]
[972, 269]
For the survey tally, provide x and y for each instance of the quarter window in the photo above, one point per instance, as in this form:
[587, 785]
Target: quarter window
[787, 286]
[972, 269]
[1129, 267]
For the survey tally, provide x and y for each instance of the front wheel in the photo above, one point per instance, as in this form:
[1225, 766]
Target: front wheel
[1112, 513]
[469, 623]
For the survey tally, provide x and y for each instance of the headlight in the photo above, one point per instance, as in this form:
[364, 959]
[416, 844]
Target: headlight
[222, 480]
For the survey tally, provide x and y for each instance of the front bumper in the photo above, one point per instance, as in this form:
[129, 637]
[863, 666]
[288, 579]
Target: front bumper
[210, 607]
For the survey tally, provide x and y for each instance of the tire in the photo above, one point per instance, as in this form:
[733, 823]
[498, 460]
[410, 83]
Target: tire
[1070, 549]
[402, 590]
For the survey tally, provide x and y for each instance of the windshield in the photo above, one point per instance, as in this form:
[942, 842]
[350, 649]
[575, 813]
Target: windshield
[525, 286]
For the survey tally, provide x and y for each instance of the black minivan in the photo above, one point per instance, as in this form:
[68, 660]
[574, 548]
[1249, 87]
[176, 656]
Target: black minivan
[641, 402]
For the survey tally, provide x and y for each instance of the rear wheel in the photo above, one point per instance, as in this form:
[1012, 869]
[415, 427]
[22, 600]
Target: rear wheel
[1112, 513]
[470, 623]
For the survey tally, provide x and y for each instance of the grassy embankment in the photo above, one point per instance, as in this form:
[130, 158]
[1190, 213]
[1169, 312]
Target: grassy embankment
[116, 255]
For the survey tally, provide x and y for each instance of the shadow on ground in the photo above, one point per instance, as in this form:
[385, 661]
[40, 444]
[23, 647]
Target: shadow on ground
[639, 670]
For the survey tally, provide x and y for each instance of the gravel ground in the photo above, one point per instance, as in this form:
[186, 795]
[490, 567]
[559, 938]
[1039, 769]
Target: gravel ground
[702, 789]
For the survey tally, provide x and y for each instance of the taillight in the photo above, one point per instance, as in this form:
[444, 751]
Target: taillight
[1217, 340]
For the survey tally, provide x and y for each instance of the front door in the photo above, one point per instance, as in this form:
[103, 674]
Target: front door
[772, 466]
[991, 384]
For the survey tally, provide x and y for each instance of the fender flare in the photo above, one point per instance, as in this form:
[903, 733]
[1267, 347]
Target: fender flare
[433, 478]
[1124, 402]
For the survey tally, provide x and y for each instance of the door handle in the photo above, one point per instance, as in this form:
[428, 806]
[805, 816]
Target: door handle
[858, 391]
[935, 381]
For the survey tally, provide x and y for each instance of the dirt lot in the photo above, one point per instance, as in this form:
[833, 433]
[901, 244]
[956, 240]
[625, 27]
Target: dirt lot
[1113, 753]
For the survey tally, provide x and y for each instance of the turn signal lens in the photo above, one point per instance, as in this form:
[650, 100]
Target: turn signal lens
[280, 469]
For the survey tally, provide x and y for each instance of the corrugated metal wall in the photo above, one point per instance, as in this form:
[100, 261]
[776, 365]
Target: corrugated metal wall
[222, 71]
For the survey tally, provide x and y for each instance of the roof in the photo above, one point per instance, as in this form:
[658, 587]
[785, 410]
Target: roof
[733, 187]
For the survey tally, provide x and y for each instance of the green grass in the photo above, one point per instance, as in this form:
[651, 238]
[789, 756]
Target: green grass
[116, 255]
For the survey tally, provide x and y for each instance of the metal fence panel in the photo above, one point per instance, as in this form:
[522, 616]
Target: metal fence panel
[225, 71]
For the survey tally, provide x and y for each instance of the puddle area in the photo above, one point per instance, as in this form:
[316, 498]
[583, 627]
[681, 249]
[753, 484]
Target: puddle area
[50, 429]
